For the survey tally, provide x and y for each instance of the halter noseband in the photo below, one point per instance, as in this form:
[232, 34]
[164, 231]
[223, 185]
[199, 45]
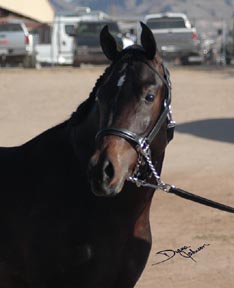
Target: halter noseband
[142, 144]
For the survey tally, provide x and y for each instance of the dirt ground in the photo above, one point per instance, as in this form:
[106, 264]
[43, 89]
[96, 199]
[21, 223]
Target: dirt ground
[200, 159]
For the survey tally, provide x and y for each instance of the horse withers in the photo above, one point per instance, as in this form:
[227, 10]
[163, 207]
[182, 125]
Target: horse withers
[70, 215]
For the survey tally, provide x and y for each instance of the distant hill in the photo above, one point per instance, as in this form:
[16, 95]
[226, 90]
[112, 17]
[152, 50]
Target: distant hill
[219, 9]
[207, 15]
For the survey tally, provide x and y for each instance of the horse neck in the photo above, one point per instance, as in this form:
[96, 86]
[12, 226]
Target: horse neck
[83, 136]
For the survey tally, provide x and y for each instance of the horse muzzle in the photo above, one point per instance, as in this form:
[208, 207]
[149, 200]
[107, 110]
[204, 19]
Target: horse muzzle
[111, 166]
[101, 177]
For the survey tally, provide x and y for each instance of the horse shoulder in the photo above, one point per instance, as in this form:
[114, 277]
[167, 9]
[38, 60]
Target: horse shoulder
[142, 225]
[137, 250]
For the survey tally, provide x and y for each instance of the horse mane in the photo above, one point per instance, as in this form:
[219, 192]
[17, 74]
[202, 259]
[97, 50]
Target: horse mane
[134, 51]
[85, 107]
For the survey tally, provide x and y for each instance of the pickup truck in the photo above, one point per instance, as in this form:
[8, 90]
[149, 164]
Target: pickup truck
[16, 44]
[175, 36]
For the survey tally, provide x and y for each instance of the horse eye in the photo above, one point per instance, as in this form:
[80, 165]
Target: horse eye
[150, 97]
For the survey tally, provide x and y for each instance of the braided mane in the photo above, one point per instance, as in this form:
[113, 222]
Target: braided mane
[85, 107]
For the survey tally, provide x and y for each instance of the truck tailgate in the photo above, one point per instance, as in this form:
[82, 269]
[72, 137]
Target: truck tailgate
[11, 40]
[179, 38]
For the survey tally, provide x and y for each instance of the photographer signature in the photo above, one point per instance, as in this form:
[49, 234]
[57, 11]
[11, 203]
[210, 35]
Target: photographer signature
[185, 251]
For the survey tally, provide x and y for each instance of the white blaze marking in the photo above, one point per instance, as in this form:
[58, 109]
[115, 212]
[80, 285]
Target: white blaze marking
[121, 81]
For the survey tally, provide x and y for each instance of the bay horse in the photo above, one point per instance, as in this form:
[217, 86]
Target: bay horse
[68, 216]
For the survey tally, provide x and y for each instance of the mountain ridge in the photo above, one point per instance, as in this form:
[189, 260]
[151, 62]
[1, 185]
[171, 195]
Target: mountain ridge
[207, 16]
[215, 9]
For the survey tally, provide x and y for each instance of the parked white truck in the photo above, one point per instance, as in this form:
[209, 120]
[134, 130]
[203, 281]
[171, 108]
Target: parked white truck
[59, 50]
[16, 44]
[175, 36]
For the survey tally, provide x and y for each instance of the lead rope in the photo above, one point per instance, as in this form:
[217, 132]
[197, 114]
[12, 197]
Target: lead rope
[145, 155]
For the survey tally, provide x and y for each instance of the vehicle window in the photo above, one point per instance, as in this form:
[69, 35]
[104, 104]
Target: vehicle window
[166, 23]
[94, 28]
[69, 29]
[10, 27]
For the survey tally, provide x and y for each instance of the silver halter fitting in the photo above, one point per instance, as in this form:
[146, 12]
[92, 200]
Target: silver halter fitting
[144, 158]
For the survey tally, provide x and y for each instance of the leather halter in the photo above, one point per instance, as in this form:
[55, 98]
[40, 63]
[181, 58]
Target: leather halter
[137, 141]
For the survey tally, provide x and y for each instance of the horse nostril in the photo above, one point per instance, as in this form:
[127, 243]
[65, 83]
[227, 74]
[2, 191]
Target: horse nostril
[108, 170]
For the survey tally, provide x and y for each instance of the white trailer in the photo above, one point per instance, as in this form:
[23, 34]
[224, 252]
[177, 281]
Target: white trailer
[60, 50]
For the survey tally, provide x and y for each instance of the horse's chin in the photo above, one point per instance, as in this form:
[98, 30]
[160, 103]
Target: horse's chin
[100, 189]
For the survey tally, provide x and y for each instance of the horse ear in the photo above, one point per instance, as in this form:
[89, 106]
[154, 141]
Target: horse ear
[108, 44]
[148, 42]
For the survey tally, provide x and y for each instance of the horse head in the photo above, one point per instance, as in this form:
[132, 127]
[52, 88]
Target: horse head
[130, 101]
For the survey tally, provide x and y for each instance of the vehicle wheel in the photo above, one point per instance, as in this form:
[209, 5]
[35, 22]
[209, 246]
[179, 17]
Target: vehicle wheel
[76, 64]
[184, 60]
[29, 61]
[228, 61]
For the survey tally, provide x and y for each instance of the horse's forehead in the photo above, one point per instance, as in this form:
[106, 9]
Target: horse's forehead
[139, 70]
